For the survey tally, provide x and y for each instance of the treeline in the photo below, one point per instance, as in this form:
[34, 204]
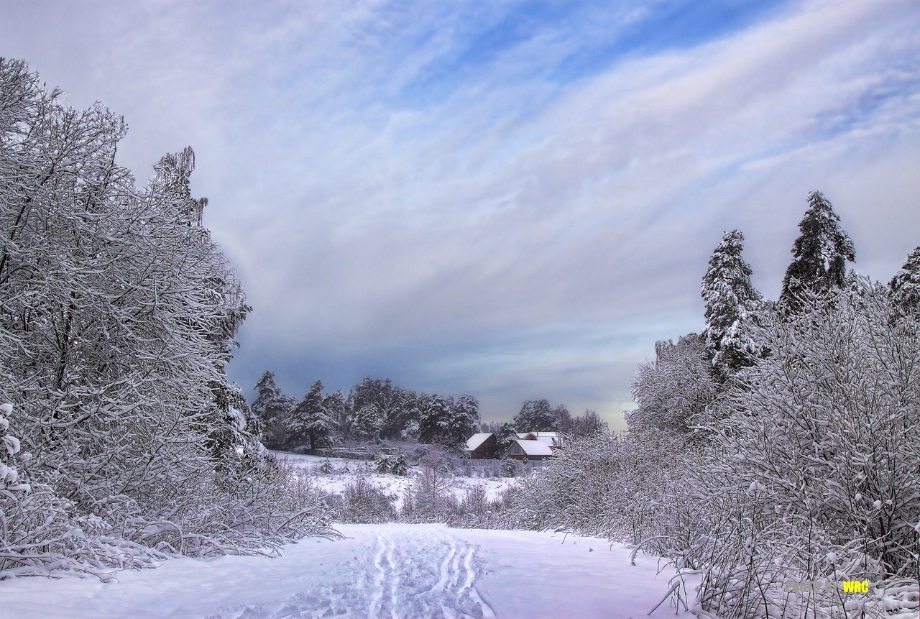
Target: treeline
[121, 439]
[373, 410]
[780, 446]
[377, 410]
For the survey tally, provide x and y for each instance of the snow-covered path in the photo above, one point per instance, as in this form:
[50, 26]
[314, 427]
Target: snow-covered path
[386, 571]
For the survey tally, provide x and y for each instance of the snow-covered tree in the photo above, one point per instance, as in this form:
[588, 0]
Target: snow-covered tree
[310, 420]
[365, 422]
[905, 286]
[435, 418]
[563, 417]
[428, 495]
[116, 326]
[337, 408]
[535, 416]
[505, 435]
[813, 475]
[673, 391]
[272, 408]
[588, 423]
[465, 420]
[820, 254]
[270, 400]
[443, 420]
[730, 300]
[395, 406]
[9, 447]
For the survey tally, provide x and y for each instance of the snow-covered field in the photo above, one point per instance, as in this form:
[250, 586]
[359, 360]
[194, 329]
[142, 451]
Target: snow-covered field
[343, 472]
[387, 571]
[393, 570]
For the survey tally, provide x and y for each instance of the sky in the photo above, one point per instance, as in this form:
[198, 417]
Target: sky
[510, 199]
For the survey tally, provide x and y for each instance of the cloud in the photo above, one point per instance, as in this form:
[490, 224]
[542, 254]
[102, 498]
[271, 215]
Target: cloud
[509, 199]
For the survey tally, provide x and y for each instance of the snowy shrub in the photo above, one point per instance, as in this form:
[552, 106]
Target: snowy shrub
[362, 502]
[675, 389]
[9, 447]
[814, 474]
[391, 463]
[806, 469]
[42, 534]
[476, 511]
[429, 496]
[626, 489]
[486, 468]
[649, 503]
[572, 491]
[512, 468]
[116, 327]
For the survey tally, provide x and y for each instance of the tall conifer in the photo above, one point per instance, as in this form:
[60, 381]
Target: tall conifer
[905, 285]
[819, 254]
[730, 298]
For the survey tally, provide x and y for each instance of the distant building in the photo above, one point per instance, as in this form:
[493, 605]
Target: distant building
[529, 450]
[481, 446]
[554, 440]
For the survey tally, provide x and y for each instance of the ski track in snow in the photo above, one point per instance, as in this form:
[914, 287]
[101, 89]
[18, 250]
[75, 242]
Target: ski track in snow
[400, 577]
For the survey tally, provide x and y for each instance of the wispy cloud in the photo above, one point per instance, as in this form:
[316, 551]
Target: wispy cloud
[513, 199]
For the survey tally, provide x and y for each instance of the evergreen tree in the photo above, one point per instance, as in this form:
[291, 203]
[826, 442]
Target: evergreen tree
[730, 298]
[365, 422]
[819, 254]
[272, 408]
[905, 286]
[464, 419]
[443, 420]
[269, 396]
[434, 418]
[310, 420]
[505, 435]
[396, 407]
[337, 409]
[535, 416]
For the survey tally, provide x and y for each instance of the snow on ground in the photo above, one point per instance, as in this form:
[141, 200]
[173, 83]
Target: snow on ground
[344, 472]
[387, 571]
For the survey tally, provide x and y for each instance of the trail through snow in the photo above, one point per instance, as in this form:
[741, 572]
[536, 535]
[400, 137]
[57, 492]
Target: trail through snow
[392, 571]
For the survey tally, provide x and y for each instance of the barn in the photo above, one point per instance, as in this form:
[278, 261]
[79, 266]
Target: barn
[554, 440]
[481, 446]
[529, 451]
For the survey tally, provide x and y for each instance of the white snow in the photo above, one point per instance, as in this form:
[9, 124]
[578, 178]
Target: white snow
[345, 472]
[476, 440]
[393, 570]
[533, 448]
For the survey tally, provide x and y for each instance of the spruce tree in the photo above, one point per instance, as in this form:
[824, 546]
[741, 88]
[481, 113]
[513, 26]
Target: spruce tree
[310, 421]
[535, 416]
[730, 298]
[272, 407]
[905, 286]
[819, 254]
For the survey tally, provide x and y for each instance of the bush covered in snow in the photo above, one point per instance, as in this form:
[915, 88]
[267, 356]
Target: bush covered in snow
[9, 447]
[116, 326]
[814, 473]
[392, 463]
[801, 465]
[362, 502]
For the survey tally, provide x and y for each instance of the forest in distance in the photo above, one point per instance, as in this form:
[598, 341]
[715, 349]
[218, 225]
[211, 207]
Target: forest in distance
[780, 444]
[376, 411]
